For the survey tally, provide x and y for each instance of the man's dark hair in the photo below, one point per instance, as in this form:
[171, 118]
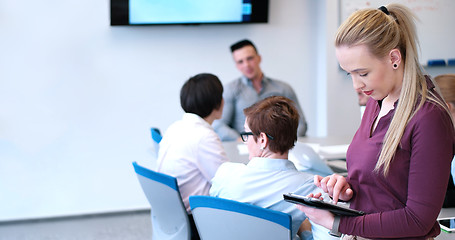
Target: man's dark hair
[241, 44]
[201, 94]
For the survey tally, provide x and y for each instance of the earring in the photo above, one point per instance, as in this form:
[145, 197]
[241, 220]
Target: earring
[262, 148]
[395, 66]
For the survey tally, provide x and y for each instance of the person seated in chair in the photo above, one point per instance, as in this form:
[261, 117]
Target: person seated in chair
[190, 150]
[270, 132]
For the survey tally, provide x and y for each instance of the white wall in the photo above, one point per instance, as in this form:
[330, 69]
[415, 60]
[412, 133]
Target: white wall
[342, 102]
[77, 96]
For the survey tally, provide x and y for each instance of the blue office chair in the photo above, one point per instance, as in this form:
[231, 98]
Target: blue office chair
[223, 219]
[169, 217]
[156, 137]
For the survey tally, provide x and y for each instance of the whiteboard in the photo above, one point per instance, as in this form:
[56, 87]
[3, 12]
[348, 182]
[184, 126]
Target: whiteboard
[435, 27]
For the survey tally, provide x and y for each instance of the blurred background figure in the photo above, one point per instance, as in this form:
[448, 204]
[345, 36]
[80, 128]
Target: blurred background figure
[248, 89]
[363, 99]
[446, 84]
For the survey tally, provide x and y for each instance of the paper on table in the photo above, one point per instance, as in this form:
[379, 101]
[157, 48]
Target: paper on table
[243, 149]
[334, 149]
[337, 163]
[314, 146]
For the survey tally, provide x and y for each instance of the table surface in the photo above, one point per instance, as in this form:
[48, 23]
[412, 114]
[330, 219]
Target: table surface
[329, 148]
[333, 147]
[235, 151]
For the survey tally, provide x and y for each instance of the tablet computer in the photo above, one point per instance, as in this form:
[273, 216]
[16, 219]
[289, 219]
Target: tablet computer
[318, 203]
[447, 224]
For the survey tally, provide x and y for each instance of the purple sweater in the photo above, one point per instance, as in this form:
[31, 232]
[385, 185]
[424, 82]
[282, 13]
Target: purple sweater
[406, 203]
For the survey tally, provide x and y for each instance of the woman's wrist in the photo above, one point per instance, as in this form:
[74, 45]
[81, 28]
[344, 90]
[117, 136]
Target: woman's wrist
[336, 223]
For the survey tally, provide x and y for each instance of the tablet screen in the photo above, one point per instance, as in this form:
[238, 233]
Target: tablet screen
[317, 203]
[447, 224]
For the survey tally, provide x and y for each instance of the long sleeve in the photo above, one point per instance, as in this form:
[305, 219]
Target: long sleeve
[406, 203]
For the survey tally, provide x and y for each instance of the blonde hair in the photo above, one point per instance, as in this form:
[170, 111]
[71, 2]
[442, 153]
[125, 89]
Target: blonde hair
[380, 33]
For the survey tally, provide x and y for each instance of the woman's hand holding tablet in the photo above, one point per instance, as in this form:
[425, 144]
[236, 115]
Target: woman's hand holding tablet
[320, 204]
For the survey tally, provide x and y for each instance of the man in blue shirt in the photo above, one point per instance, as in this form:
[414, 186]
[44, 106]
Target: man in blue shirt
[269, 173]
[251, 87]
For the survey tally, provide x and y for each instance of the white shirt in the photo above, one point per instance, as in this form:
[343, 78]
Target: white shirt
[362, 110]
[262, 182]
[191, 151]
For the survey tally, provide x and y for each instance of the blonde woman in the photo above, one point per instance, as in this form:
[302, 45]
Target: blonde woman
[399, 159]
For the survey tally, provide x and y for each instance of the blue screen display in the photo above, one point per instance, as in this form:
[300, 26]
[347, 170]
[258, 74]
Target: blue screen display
[184, 11]
[162, 12]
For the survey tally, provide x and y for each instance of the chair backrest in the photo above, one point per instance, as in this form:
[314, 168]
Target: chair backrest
[218, 218]
[306, 159]
[169, 216]
[156, 135]
[156, 138]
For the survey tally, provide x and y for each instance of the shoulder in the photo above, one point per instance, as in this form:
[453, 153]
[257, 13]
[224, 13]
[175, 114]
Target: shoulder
[205, 134]
[305, 178]
[431, 111]
[231, 166]
[228, 170]
[174, 129]
[306, 185]
[195, 128]
[298, 179]
[431, 120]
[280, 84]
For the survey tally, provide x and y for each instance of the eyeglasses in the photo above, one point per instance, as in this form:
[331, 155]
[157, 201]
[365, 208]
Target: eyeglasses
[244, 136]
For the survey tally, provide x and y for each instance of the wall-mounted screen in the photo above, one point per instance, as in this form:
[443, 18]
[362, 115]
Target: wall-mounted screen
[167, 12]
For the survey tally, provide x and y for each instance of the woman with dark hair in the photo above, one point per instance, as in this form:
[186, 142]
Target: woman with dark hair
[190, 150]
